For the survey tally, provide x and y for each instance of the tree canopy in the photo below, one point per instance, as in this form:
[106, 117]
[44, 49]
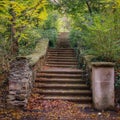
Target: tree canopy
[17, 16]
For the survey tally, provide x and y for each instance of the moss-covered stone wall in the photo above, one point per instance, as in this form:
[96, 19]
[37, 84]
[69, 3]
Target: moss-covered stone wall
[23, 72]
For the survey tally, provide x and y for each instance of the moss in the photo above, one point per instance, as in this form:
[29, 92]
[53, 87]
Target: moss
[40, 51]
[103, 64]
[88, 59]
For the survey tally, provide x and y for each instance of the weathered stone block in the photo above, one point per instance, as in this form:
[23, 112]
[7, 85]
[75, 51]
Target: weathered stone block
[103, 85]
[20, 97]
[20, 80]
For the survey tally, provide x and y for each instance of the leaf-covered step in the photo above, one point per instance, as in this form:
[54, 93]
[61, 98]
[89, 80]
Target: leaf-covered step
[62, 71]
[53, 75]
[60, 49]
[62, 66]
[61, 86]
[61, 92]
[60, 81]
[69, 98]
[60, 57]
[60, 60]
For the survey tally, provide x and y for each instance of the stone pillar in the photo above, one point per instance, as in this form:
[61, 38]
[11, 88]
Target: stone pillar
[20, 82]
[103, 85]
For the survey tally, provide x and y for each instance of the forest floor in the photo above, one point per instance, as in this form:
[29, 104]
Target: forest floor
[51, 109]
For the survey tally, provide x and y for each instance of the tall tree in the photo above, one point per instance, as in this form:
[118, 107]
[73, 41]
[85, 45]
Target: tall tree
[18, 15]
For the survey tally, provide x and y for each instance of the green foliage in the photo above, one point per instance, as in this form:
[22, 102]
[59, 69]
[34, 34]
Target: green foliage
[74, 37]
[51, 34]
[117, 75]
[69, 7]
[28, 40]
[19, 16]
[51, 22]
[100, 32]
[103, 38]
[117, 80]
[50, 28]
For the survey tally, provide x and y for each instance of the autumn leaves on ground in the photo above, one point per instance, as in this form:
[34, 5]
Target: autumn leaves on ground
[50, 109]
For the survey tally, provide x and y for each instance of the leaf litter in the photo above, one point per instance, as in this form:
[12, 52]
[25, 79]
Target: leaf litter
[39, 109]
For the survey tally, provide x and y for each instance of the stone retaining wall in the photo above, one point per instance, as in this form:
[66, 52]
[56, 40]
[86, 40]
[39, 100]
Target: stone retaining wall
[23, 72]
[20, 82]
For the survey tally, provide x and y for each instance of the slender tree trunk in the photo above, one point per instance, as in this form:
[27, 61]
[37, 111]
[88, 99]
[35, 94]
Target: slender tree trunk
[14, 39]
[14, 45]
[89, 8]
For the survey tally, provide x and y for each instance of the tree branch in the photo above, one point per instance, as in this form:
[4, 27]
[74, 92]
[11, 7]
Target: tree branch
[89, 8]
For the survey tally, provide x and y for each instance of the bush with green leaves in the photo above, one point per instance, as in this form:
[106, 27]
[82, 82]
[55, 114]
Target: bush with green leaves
[103, 39]
[51, 34]
[28, 40]
[117, 75]
[49, 29]
[74, 37]
[31, 36]
[117, 80]
[51, 22]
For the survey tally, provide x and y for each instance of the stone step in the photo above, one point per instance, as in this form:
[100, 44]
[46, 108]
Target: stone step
[79, 99]
[61, 52]
[57, 75]
[64, 92]
[62, 63]
[60, 81]
[61, 60]
[62, 71]
[61, 86]
[62, 66]
[60, 57]
[60, 49]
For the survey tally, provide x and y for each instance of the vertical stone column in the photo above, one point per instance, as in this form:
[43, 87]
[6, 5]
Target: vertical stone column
[103, 85]
[20, 82]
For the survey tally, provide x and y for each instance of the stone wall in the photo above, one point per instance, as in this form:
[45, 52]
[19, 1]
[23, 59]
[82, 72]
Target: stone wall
[23, 72]
[20, 82]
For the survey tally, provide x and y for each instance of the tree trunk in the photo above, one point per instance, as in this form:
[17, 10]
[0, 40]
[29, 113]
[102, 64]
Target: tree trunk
[14, 44]
[14, 39]
[89, 8]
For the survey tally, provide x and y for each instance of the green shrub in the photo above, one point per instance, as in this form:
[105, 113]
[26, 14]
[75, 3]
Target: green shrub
[51, 22]
[74, 37]
[117, 75]
[49, 29]
[51, 34]
[117, 80]
[28, 41]
[103, 39]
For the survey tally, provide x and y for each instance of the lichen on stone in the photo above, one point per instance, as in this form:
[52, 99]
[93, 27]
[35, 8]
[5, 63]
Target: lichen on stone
[103, 64]
[40, 51]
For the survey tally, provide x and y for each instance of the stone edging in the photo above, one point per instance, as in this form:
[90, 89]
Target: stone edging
[39, 52]
[103, 64]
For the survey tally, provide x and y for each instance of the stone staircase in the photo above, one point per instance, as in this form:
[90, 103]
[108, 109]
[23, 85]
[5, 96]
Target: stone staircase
[61, 57]
[61, 79]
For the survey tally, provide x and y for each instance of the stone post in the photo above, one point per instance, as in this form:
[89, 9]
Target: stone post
[103, 85]
[20, 82]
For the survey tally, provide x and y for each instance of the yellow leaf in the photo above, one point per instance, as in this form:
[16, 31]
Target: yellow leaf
[43, 15]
